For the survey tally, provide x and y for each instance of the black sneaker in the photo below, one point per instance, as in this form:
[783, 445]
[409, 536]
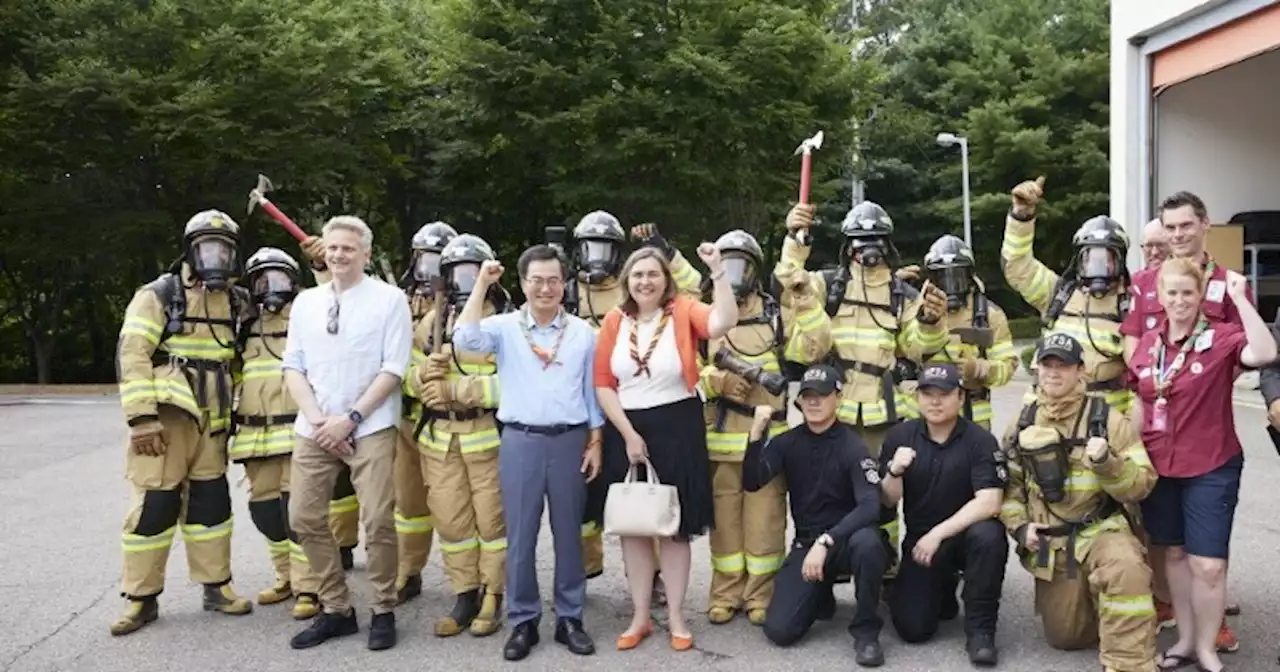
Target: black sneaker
[325, 627]
[382, 631]
[982, 649]
[868, 653]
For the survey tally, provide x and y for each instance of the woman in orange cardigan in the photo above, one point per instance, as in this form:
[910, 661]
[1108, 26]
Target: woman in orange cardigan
[646, 378]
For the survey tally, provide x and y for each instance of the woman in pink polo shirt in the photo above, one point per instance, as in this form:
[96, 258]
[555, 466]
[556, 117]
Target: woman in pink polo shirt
[1186, 369]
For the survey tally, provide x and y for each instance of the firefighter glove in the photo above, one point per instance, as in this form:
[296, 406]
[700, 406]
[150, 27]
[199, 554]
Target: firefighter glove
[435, 368]
[736, 388]
[933, 304]
[908, 273]
[313, 247]
[437, 393]
[647, 235]
[800, 217]
[147, 438]
[1273, 414]
[974, 373]
[796, 280]
[1025, 197]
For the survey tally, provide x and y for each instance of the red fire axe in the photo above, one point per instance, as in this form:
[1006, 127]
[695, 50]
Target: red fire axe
[259, 197]
[805, 150]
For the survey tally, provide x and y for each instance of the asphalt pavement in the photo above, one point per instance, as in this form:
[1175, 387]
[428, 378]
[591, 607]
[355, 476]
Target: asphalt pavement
[64, 496]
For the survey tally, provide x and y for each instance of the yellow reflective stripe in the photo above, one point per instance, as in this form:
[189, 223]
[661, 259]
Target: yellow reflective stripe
[981, 410]
[873, 412]
[296, 553]
[137, 543]
[810, 319]
[198, 347]
[249, 441]
[138, 392]
[278, 547]
[1016, 244]
[736, 442]
[682, 273]
[141, 326]
[1015, 468]
[868, 337]
[763, 565]
[262, 369]
[1126, 605]
[929, 339]
[459, 546]
[474, 369]
[590, 530]
[1137, 454]
[491, 394]
[1105, 339]
[1120, 400]
[1123, 480]
[417, 357]
[415, 525]
[170, 391]
[493, 546]
[729, 564]
[1012, 508]
[475, 442]
[1040, 285]
[219, 422]
[199, 533]
[1002, 350]
[346, 504]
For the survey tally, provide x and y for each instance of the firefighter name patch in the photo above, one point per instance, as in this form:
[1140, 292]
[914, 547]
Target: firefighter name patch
[1001, 472]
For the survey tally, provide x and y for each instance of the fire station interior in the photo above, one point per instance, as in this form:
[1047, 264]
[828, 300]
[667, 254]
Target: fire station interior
[1218, 135]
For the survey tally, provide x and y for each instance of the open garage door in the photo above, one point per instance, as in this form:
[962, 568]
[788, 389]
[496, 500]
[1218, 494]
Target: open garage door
[1233, 42]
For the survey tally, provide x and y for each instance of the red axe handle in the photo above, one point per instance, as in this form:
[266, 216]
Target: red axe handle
[293, 229]
[806, 169]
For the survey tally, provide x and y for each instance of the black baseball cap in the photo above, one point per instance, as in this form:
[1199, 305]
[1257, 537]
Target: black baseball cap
[940, 375]
[1062, 346]
[822, 379]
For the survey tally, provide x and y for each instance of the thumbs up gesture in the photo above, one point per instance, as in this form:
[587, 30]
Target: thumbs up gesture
[1025, 197]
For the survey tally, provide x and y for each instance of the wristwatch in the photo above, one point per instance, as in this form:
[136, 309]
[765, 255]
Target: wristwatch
[355, 416]
[825, 541]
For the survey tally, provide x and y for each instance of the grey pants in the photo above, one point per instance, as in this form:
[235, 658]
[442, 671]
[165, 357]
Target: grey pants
[531, 467]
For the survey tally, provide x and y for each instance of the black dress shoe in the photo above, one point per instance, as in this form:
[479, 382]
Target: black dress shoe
[982, 649]
[868, 653]
[570, 633]
[325, 627]
[382, 631]
[522, 640]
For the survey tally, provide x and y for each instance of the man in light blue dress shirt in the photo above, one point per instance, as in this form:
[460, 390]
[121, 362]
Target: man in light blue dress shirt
[551, 438]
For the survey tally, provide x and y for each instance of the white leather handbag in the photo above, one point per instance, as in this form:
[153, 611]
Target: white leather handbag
[642, 509]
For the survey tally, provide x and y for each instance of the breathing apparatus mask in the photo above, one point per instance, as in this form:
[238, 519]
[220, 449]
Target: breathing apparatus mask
[741, 273]
[869, 252]
[956, 281]
[1044, 453]
[1097, 268]
[274, 288]
[426, 273]
[461, 280]
[598, 260]
[214, 260]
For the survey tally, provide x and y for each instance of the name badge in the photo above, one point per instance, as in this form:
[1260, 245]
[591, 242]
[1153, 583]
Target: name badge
[1205, 341]
[1217, 290]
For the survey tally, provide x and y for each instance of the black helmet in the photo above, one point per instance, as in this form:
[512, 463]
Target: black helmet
[427, 244]
[866, 229]
[273, 278]
[1101, 247]
[599, 246]
[460, 264]
[743, 261]
[212, 242]
[949, 266]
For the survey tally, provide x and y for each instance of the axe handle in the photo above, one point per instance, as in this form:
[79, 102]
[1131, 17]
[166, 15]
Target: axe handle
[293, 229]
[806, 169]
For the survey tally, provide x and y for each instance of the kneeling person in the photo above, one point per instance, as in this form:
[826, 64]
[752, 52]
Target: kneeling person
[949, 473]
[835, 506]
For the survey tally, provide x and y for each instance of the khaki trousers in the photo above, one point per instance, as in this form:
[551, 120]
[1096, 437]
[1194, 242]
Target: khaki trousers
[414, 524]
[314, 472]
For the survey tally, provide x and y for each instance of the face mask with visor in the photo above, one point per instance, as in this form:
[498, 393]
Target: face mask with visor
[274, 289]
[741, 273]
[599, 259]
[214, 261]
[1097, 268]
[955, 281]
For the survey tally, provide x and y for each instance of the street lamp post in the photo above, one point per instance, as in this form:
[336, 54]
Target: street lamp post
[948, 140]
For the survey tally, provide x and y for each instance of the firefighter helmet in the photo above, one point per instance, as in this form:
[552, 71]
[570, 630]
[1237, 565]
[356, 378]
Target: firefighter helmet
[599, 244]
[1101, 246]
[460, 262]
[948, 265]
[743, 260]
[428, 243]
[273, 278]
[212, 248]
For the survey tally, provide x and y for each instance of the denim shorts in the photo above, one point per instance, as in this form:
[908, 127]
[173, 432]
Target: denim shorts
[1195, 513]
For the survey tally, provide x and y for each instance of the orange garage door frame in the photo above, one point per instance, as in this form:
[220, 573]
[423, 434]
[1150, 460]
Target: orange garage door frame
[1233, 42]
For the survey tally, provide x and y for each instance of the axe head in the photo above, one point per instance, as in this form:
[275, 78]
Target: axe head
[979, 336]
[256, 196]
[810, 144]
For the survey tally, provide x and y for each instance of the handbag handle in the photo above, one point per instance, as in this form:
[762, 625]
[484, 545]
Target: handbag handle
[651, 474]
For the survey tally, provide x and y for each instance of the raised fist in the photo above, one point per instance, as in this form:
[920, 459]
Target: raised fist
[490, 271]
[1026, 196]
[710, 256]
[933, 304]
[644, 231]
[1236, 286]
[801, 216]
[902, 458]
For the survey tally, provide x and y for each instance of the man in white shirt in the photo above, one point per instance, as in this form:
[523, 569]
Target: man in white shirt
[349, 345]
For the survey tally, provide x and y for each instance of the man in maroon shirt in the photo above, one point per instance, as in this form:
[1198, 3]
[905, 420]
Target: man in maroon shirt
[1186, 226]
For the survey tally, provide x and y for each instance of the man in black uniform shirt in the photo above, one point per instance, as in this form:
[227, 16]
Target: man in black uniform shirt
[835, 506]
[951, 474]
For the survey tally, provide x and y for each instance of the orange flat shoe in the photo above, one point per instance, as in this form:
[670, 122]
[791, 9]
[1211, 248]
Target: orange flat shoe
[627, 642]
[681, 643]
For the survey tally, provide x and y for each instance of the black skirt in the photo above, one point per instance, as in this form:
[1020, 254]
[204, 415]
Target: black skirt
[677, 440]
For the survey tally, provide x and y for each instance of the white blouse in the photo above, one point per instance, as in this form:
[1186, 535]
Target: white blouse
[665, 383]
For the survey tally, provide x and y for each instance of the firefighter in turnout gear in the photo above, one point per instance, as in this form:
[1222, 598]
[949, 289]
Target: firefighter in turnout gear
[1088, 301]
[414, 525]
[1074, 462]
[262, 438]
[596, 258]
[876, 319]
[173, 363]
[980, 346]
[458, 442]
[741, 371]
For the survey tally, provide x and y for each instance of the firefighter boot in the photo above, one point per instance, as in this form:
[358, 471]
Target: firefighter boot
[489, 620]
[282, 590]
[721, 615]
[306, 607]
[407, 589]
[135, 616]
[222, 599]
[756, 616]
[464, 612]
